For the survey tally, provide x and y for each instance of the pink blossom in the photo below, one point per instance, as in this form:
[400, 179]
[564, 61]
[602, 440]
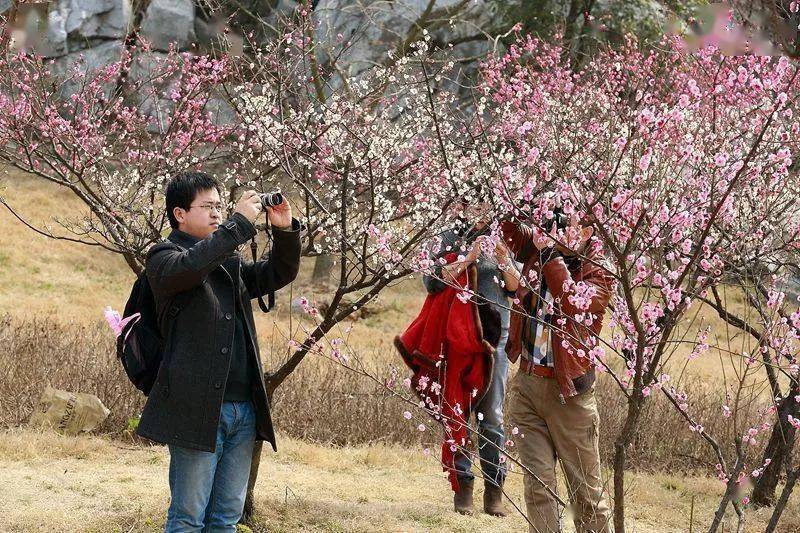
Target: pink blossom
[117, 324]
[644, 161]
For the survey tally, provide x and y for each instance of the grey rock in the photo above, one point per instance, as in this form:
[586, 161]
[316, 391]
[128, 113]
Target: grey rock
[376, 27]
[89, 59]
[792, 289]
[169, 21]
[152, 88]
[55, 42]
[221, 111]
[206, 33]
[74, 25]
[95, 19]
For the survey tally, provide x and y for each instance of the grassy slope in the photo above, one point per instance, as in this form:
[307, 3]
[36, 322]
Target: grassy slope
[88, 483]
[41, 275]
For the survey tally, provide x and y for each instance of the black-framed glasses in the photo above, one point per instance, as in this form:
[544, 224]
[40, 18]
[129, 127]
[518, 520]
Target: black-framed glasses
[209, 207]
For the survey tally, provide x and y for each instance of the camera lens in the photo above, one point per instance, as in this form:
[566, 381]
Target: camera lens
[560, 219]
[271, 199]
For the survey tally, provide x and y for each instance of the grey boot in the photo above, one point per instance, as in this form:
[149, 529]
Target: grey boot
[462, 500]
[493, 500]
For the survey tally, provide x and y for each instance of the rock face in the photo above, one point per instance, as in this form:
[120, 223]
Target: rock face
[97, 19]
[91, 58]
[87, 31]
[74, 25]
[381, 26]
[95, 31]
[169, 21]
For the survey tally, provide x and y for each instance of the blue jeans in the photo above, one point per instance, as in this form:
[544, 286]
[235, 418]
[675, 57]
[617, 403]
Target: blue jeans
[491, 427]
[208, 489]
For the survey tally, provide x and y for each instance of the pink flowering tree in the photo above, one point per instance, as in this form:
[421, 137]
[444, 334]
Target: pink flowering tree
[111, 136]
[683, 163]
[372, 168]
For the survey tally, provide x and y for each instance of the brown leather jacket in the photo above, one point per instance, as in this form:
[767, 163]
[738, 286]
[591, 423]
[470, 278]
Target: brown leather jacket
[573, 368]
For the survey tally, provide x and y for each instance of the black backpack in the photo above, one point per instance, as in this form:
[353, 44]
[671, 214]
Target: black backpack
[140, 345]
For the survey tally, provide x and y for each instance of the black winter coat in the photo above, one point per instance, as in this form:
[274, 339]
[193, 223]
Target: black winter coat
[194, 283]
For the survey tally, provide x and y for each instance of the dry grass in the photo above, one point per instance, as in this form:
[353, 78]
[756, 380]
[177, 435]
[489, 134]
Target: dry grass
[94, 484]
[322, 402]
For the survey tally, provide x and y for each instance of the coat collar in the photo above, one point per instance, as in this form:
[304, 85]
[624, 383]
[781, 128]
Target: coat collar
[182, 238]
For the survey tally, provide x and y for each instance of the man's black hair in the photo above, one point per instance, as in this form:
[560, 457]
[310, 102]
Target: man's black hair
[182, 189]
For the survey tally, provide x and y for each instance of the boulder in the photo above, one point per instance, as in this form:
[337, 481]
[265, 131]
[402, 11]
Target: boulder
[55, 41]
[89, 59]
[74, 25]
[96, 19]
[169, 21]
[221, 111]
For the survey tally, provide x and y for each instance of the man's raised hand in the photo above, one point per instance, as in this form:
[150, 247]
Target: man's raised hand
[280, 216]
[249, 205]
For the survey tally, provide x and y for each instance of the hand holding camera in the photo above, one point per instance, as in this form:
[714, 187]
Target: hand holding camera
[249, 205]
[278, 209]
[279, 212]
[567, 235]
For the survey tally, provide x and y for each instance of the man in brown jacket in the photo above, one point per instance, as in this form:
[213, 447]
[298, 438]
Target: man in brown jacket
[555, 322]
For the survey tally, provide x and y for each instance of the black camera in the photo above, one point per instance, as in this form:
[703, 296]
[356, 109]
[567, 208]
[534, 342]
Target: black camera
[271, 199]
[560, 218]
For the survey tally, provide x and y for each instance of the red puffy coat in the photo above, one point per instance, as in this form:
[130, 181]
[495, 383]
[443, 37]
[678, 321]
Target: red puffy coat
[451, 359]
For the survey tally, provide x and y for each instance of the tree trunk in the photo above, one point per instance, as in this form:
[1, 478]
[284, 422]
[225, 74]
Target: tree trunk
[323, 267]
[623, 441]
[134, 263]
[730, 488]
[249, 504]
[791, 478]
[779, 449]
[274, 380]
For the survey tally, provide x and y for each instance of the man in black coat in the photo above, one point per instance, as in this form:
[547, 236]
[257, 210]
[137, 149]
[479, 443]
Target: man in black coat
[209, 402]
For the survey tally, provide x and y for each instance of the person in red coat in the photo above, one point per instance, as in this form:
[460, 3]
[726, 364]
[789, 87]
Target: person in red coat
[556, 319]
[494, 280]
